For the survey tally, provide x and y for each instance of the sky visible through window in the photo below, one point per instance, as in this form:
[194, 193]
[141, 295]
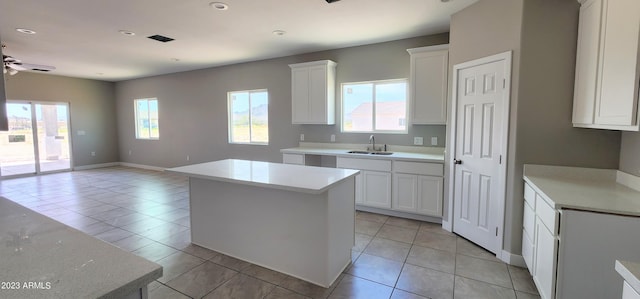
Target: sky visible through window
[357, 102]
[24, 111]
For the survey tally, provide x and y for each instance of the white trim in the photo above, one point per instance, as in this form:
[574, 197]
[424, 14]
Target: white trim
[94, 166]
[141, 166]
[513, 259]
[507, 57]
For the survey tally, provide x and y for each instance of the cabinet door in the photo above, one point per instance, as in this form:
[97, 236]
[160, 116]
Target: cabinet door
[544, 260]
[617, 104]
[317, 94]
[359, 189]
[377, 189]
[430, 195]
[297, 159]
[584, 95]
[299, 95]
[405, 192]
[428, 86]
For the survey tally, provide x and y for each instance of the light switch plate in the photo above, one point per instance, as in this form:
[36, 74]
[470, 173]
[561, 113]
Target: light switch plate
[301, 137]
[333, 138]
[434, 140]
[418, 141]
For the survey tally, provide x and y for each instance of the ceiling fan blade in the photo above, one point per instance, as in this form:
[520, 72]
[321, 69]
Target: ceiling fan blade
[33, 67]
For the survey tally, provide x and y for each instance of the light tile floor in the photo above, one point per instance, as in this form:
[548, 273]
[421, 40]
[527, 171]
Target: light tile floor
[146, 212]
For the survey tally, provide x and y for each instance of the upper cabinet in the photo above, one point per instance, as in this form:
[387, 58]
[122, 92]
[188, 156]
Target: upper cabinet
[428, 84]
[313, 92]
[607, 69]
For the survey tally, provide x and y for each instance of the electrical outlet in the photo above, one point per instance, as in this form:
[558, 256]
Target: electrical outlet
[418, 141]
[187, 157]
[81, 133]
[333, 138]
[129, 152]
[301, 137]
[93, 154]
[434, 140]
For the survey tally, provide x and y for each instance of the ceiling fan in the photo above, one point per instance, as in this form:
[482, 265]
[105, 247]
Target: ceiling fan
[12, 66]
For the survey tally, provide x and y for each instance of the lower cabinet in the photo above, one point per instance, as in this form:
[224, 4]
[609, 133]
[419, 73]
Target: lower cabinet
[376, 189]
[540, 241]
[417, 193]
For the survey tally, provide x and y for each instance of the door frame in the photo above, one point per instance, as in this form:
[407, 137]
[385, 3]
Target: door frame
[36, 140]
[507, 58]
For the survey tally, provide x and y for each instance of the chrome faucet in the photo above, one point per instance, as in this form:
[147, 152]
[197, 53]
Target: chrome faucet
[372, 141]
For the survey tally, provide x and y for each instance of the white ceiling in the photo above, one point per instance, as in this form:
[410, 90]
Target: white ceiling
[81, 37]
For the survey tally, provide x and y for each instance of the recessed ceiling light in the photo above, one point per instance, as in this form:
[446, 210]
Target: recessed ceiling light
[25, 31]
[219, 5]
[175, 59]
[127, 32]
[99, 74]
[279, 32]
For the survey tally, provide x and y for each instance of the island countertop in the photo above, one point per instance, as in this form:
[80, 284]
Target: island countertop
[298, 178]
[43, 258]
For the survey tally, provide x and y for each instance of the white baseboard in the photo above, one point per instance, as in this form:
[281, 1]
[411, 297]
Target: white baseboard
[94, 166]
[513, 259]
[141, 166]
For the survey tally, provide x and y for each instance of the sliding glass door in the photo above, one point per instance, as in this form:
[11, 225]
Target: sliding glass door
[37, 140]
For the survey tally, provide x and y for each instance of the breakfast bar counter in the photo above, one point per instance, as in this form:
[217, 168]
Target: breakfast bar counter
[294, 219]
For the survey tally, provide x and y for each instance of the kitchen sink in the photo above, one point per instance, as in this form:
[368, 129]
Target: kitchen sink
[359, 152]
[369, 153]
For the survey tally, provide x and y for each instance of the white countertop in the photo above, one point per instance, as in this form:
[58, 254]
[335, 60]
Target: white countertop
[298, 178]
[630, 271]
[63, 262]
[585, 189]
[436, 156]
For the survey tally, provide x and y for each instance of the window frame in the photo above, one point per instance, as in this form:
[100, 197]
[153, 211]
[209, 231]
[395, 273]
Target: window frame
[230, 117]
[373, 108]
[136, 120]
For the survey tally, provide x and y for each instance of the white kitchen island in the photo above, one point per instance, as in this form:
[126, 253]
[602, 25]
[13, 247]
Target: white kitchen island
[298, 220]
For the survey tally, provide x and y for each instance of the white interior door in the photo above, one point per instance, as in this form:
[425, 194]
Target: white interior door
[481, 121]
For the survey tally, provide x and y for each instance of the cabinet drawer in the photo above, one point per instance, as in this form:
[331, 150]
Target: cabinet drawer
[293, 159]
[529, 195]
[363, 164]
[421, 168]
[547, 214]
[528, 221]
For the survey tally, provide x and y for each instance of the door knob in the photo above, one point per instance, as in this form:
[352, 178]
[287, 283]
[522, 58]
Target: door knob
[455, 161]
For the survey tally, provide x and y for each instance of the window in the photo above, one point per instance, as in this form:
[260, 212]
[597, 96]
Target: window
[249, 116]
[147, 119]
[375, 106]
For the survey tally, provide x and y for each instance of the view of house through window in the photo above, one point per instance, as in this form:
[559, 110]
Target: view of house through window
[249, 116]
[147, 119]
[375, 106]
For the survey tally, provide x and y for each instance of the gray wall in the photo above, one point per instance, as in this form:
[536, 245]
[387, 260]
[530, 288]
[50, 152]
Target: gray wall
[630, 153]
[540, 130]
[91, 105]
[193, 106]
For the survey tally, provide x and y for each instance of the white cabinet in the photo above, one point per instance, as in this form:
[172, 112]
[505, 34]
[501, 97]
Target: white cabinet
[313, 92]
[377, 189]
[540, 241]
[628, 292]
[373, 185]
[607, 68]
[417, 187]
[428, 84]
[297, 159]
